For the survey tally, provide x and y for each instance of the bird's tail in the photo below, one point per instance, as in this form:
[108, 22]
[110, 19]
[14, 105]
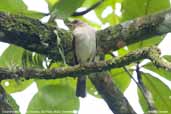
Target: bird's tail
[81, 86]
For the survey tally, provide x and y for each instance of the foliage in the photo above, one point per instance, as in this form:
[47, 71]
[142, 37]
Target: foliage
[59, 90]
[62, 100]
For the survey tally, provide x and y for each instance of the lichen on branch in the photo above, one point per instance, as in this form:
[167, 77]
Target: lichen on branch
[151, 53]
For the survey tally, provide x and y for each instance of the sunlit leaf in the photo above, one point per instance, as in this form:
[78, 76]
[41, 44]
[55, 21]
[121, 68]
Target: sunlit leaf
[14, 6]
[65, 8]
[54, 98]
[12, 58]
[91, 89]
[142, 101]
[13, 104]
[160, 92]
[12, 55]
[111, 18]
[12, 86]
[162, 72]
[71, 82]
[121, 78]
[30, 59]
[51, 3]
[148, 42]
[136, 8]
[18, 7]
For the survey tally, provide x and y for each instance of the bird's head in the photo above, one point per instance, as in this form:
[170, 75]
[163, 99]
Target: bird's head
[76, 23]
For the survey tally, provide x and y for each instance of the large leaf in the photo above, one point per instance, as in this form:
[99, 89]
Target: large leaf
[8, 105]
[13, 104]
[142, 101]
[88, 3]
[30, 59]
[111, 18]
[51, 3]
[136, 8]
[12, 6]
[121, 78]
[18, 7]
[12, 86]
[91, 89]
[160, 92]
[149, 42]
[71, 82]
[11, 58]
[162, 72]
[54, 98]
[65, 8]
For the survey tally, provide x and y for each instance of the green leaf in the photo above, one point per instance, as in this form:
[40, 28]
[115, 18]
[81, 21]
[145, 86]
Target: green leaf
[88, 3]
[160, 92]
[142, 101]
[33, 14]
[136, 8]
[51, 3]
[11, 58]
[71, 82]
[160, 71]
[30, 59]
[91, 89]
[12, 86]
[8, 105]
[12, 55]
[14, 6]
[121, 78]
[18, 7]
[13, 104]
[111, 18]
[122, 51]
[54, 98]
[65, 8]
[145, 43]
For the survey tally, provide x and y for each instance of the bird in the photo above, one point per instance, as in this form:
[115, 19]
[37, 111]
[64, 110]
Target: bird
[84, 43]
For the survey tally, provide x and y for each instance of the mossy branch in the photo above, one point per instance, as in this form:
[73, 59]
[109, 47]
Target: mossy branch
[151, 53]
[35, 36]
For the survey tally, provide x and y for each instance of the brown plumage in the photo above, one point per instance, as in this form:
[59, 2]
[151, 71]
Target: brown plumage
[85, 50]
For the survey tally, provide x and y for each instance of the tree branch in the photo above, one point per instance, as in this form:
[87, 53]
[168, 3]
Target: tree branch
[31, 34]
[35, 36]
[111, 94]
[133, 31]
[77, 70]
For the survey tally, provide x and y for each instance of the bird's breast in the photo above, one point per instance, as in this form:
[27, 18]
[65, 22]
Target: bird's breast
[85, 46]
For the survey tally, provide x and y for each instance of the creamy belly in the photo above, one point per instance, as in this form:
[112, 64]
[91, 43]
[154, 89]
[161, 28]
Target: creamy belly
[86, 46]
